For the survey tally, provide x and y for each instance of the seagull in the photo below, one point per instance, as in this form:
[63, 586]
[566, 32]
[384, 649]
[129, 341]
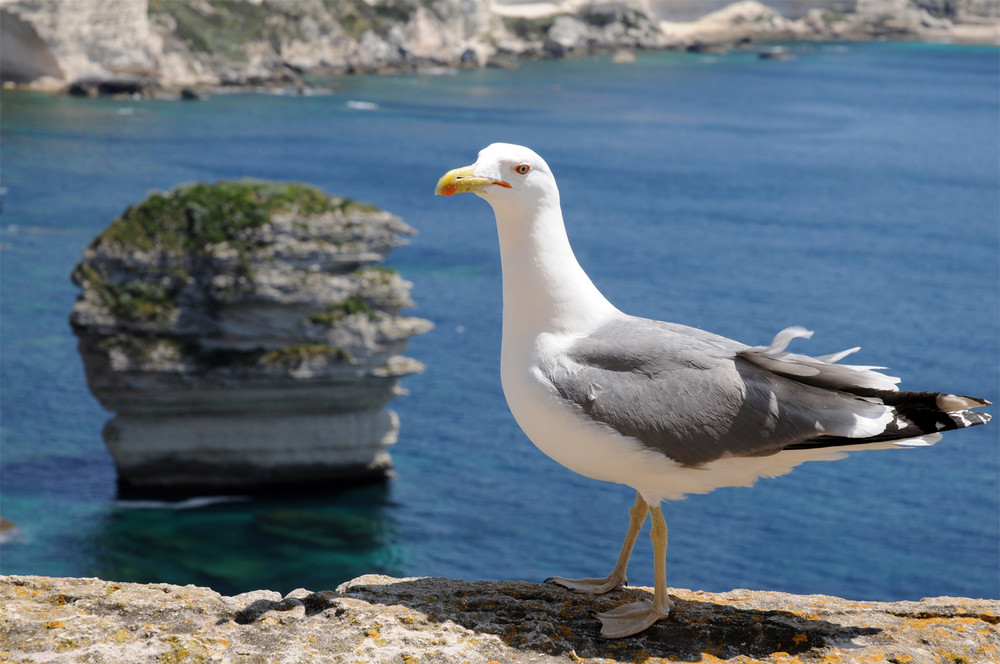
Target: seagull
[663, 408]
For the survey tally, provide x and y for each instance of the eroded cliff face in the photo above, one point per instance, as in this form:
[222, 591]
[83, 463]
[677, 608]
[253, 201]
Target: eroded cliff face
[380, 619]
[144, 46]
[60, 41]
[140, 45]
[240, 43]
[246, 336]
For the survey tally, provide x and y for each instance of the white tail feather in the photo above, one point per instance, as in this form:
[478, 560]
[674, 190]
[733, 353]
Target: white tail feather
[821, 370]
[920, 441]
[952, 402]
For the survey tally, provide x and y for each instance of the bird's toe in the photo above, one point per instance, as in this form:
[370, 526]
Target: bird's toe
[630, 619]
[588, 586]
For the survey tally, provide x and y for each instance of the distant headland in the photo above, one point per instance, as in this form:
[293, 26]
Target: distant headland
[161, 48]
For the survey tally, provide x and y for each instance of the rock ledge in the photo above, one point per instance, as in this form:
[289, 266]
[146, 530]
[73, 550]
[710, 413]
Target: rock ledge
[382, 619]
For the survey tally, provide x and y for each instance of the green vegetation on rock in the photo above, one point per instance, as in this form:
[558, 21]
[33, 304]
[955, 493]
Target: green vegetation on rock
[216, 26]
[529, 28]
[355, 304]
[383, 274]
[137, 301]
[134, 301]
[154, 350]
[225, 28]
[194, 217]
[190, 222]
[164, 283]
[356, 18]
[292, 356]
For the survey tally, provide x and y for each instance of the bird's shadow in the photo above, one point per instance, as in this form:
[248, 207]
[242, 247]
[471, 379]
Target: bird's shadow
[548, 619]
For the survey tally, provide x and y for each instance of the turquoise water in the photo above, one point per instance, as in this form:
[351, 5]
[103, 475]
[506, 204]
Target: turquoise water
[852, 190]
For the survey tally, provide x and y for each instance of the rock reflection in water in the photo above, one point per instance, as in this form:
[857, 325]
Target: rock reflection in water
[238, 545]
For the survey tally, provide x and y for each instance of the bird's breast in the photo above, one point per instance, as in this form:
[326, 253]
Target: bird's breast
[556, 427]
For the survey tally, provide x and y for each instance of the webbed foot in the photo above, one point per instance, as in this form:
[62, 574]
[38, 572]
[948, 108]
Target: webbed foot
[633, 618]
[590, 586]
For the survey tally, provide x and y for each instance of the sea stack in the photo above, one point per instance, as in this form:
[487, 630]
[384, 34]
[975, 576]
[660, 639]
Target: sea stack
[247, 338]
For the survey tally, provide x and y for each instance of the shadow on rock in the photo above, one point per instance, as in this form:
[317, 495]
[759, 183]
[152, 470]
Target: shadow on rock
[554, 621]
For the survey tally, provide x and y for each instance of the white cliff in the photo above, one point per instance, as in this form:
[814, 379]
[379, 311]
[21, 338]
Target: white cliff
[53, 42]
[130, 46]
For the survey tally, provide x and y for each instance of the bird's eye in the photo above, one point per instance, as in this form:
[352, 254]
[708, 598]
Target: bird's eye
[522, 169]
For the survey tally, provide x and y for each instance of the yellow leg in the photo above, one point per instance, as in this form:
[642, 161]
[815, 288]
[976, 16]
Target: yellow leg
[658, 533]
[635, 617]
[616, 579]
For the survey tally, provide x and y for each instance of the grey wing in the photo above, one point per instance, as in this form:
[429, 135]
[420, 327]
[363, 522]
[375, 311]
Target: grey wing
[692, 395]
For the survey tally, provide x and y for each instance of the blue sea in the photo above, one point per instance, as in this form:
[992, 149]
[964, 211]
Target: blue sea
[853, 190]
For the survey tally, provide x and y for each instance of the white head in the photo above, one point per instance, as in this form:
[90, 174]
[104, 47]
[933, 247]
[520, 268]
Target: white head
[511, 178]
[544, 287]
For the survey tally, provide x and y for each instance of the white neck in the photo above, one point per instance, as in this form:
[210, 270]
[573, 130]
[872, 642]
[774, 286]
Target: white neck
[544, 287]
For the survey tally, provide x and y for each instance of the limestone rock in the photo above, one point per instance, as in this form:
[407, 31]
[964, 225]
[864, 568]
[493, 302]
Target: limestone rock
[246, 336]
[67, 41]
[312, 35]
[566, 35]
[750, 20]
[379, 619]
[603, 27]
[576, 27]
[108, 46]
[740, 21]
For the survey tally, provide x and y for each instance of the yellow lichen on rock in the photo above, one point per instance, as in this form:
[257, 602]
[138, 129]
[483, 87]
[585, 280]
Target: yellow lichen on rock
[411, 621]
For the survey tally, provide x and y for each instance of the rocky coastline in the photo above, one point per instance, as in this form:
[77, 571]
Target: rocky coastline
[380, 619]
[162, 48]
[246, 336]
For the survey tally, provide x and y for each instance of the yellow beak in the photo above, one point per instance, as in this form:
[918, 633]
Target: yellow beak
[461, 180]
